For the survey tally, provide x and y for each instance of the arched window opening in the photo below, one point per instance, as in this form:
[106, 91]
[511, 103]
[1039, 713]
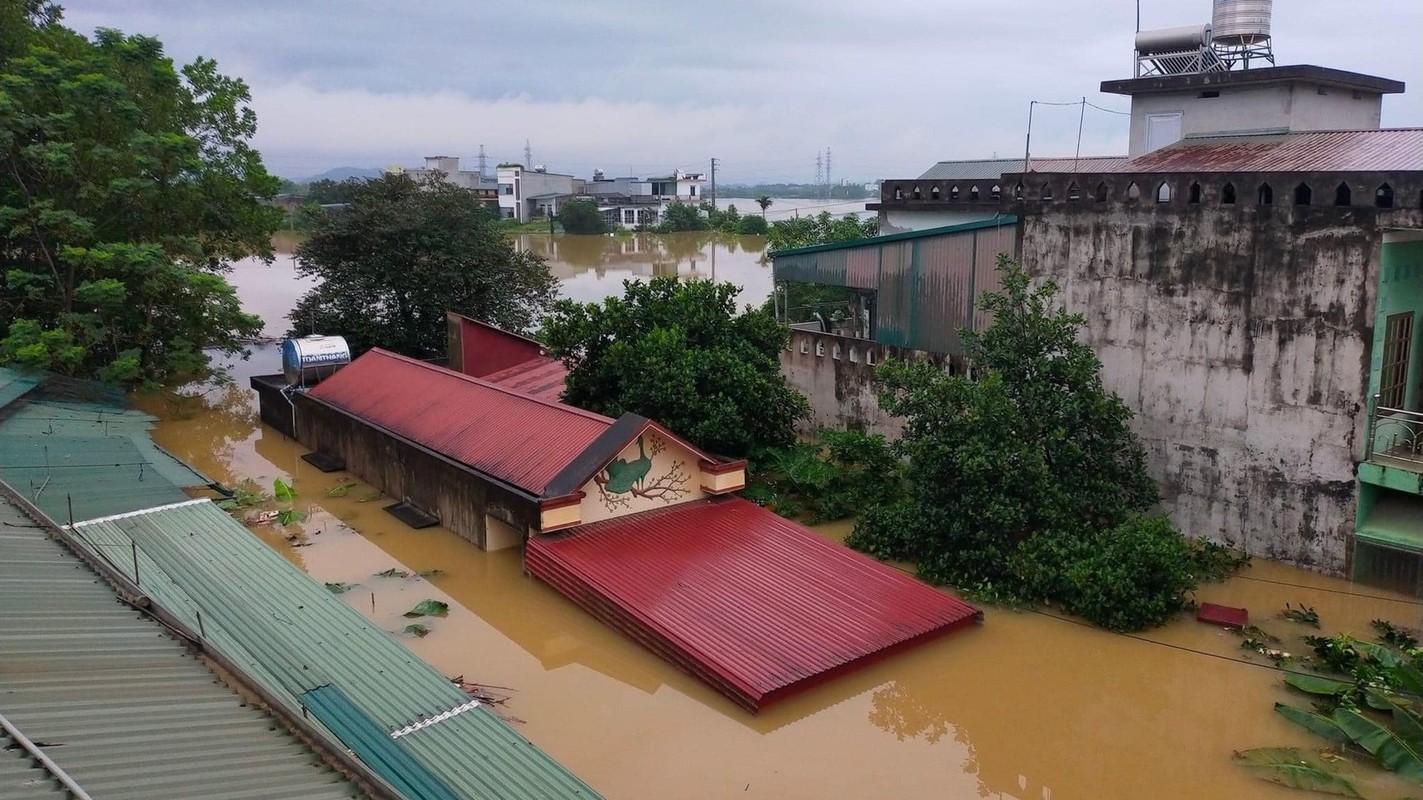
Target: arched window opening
[995, 192]
[1343, 196]
[1073, 193]
[819, 349]
[1266, 195]
[1303, 194]
[1101, 194]
[934, 193]
[918, 195]
[854, 356]
[1194, 198]
[1046, 193]
[1133, 191]
[870, 357]
[1227, 194]
[1163, 193]
[835, 352]
[898, 193]
[1018, 192]
[954, 193]
[973, 193]
[1383, 196]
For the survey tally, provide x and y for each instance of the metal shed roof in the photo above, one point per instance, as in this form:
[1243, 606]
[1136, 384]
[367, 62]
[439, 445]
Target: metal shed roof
[126, 711]
[541, 377]
[992, 169]
[14, 384]
[513, 437]
[290, 634]
[753, 604]
[1389, 150]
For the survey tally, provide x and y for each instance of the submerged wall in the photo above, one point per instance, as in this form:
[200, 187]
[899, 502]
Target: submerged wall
[1240, 335]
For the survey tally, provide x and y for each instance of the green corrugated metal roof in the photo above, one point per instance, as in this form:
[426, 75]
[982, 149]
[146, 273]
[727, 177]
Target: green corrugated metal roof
[98, 476]
[138, 717]
[14, 384]
[1006, 219]
[373, 744]
[292, 635]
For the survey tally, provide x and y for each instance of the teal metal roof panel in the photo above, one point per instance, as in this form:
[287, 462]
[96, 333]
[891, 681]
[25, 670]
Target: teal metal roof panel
[1006, 219]
[138, 717]
[373, 745]
[291, 634]
[14, 384]
[84, 476]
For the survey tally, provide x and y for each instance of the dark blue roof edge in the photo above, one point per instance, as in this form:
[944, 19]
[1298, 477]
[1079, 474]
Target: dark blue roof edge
[995, 222]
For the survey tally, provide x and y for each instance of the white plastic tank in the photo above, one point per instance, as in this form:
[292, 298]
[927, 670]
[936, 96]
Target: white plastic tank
[1241, 22]
[311, 359]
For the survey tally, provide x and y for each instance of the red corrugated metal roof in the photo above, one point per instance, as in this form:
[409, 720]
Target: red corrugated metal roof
[755, 605]
[510, 436]
[540, 377]
[1392, 150]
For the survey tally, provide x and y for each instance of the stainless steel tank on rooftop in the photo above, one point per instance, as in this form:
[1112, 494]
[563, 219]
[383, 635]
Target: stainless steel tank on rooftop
[1239, 22]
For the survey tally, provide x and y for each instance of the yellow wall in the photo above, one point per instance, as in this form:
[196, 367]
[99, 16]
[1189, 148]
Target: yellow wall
[670, 475]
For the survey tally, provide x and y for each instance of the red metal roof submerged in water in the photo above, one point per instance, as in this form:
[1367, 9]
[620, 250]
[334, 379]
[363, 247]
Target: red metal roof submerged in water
[755, 605]
[510, 436]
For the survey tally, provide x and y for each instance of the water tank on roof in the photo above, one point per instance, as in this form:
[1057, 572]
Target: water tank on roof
[1173, 40]
[1241, 22]
[312, 359]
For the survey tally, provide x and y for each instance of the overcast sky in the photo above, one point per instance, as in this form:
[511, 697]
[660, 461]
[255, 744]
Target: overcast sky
[889, 85]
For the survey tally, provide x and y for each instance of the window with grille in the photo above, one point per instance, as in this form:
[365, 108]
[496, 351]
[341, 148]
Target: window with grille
[1397, 343]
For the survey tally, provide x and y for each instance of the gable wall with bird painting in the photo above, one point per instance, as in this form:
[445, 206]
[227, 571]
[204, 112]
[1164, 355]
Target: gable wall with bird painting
[654, 471]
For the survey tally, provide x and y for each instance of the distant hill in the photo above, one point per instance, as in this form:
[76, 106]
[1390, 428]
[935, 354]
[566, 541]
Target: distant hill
[342, 173]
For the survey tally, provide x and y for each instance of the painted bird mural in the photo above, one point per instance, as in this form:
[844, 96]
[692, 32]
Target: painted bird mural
[624, 475]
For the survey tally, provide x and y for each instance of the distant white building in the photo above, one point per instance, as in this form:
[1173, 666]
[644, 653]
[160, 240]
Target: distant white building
[525, 194]
[449, 168]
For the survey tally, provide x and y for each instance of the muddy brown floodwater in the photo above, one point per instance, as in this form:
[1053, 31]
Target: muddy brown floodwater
[1025, 706]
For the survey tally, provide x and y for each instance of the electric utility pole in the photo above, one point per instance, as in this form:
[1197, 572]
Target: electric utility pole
[713, 182]
[819, 170]
[828, 190]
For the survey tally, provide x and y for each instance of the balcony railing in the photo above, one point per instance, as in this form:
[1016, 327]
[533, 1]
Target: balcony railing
[1395, 435]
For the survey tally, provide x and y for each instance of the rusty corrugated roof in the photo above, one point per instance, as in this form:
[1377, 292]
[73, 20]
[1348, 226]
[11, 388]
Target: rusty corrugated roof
[755, 605]
[541, 377]
[505, 434]
[1389, 150]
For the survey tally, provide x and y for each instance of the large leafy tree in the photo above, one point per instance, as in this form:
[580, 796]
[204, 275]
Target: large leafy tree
[403, 253]
[582, 217]
[678, 352]
[127, 186]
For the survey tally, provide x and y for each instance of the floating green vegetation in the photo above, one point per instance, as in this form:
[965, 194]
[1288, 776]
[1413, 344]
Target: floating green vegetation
[283, 491]
[393, 572]
[369, 496]
[429, 608]
[290, 516]
[244, 495]
[340, 588]
[1368, 706]
[1304, 615]
[340, 490]
[417, 629]
[430, 573]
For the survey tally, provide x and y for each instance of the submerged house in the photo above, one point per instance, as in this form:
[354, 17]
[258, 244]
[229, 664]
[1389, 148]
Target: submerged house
[630, 521]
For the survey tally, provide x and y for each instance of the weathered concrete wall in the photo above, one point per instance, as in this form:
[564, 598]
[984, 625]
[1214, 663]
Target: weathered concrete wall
[1240, 336]
[841, 390]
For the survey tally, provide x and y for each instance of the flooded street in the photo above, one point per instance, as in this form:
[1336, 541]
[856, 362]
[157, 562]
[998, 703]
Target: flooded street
[1027, 706]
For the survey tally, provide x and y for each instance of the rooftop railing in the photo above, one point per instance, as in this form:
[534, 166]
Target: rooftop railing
[1395, 434]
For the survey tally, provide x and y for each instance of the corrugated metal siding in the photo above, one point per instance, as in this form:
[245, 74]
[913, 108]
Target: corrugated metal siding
[1399, 149]
[812, 268]
[990, 244]
[499, 432]
[292, 635]
[862, 268]
[137, 716]
[894, 321]
[754, 604]
[943, 292]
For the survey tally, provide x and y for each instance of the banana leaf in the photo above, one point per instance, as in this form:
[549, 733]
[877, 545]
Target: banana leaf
[1313, 684]
[1409, 679]
[1314, 723]
[1296, 768]
[283, 491]
[1377, 652]
[1392, 751]
[1406, 722]
[429, 608]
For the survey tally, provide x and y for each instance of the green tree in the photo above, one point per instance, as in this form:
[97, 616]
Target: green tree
[823, 228]
[764, 201]
[329, 192]
[582, 216]
[752, 226]
[401, 255]
[1026, 480]
[680, 217]
[127, 186]
[680, 353]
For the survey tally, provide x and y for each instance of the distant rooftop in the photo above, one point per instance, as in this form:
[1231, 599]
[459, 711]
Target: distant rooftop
[994, 168]
[1306, 73]
[1387, 150]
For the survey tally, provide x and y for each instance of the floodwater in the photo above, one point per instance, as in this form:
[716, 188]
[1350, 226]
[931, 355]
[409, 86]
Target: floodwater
[589, 268]
[1026, 706]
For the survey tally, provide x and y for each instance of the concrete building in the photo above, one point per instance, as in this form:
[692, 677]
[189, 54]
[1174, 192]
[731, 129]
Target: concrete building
[1251, 282]
[526, 194]
[448, 167]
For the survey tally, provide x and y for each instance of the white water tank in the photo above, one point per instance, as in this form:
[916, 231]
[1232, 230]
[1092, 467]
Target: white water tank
[312, 359]
[1235, 23]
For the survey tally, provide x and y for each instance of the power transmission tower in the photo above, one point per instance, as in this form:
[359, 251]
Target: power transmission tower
[528, 155]
[819, 170]
[483, 164]
[828, 183]
[713, 182]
